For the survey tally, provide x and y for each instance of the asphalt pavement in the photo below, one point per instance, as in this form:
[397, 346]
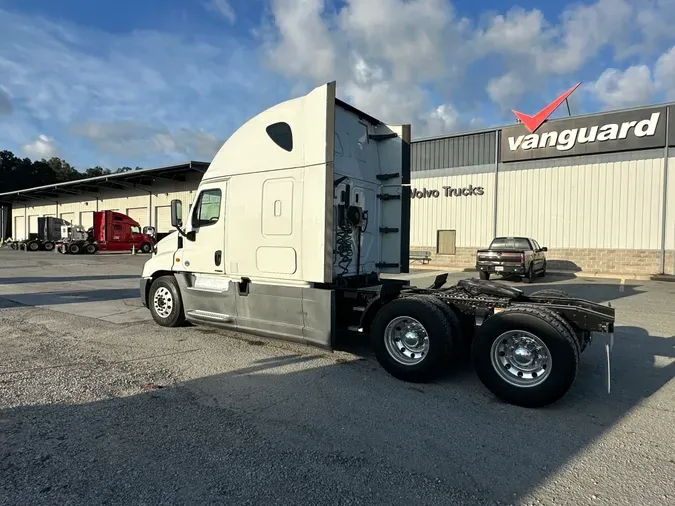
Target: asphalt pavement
[105, 407]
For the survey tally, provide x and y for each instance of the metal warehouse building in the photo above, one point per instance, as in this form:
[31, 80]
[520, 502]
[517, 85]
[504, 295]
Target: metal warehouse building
[145, 195]
[597, 190]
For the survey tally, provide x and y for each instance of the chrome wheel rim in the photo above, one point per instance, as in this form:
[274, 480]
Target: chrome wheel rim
[406, 340]
[163, 302]
[521, 358]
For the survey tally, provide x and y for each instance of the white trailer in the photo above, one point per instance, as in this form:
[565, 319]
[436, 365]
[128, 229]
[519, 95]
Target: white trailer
[299, 214]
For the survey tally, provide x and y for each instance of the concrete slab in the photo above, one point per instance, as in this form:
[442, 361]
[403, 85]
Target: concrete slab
[100, 287]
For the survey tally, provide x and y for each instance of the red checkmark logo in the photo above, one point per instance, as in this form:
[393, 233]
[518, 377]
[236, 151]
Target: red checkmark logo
[534, 122]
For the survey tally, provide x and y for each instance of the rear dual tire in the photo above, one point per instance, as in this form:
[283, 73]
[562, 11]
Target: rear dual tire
[583, 339]
[415, 338]
[526, 355]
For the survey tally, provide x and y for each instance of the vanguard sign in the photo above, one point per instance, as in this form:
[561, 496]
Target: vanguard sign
[621, 131]
[448, 191]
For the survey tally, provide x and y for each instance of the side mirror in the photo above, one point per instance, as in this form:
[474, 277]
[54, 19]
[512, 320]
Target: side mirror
[544, 248]
[176, 213]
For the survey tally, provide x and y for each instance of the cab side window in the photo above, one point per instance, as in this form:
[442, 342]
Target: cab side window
[207, 208]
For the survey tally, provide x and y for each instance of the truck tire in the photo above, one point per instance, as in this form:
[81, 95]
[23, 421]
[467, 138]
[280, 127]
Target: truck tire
[49, 246]
[526, 355]
[584, 338]
[542, 273]
[420, 354]
[90, 249]
[33, 246]
[165, 302]
[74, 249]
[146, 247]
[484, 275]
[529, 277]
[459, 338]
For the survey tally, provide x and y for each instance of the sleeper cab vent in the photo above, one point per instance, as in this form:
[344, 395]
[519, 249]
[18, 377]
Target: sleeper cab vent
[281, 134]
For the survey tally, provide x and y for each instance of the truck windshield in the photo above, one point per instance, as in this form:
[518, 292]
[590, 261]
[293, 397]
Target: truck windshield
[135, 230]
[517, 243]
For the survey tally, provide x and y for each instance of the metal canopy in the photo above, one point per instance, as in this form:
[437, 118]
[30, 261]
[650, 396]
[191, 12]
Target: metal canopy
[92, 186]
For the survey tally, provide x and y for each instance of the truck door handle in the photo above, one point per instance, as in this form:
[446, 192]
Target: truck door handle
[218, 257]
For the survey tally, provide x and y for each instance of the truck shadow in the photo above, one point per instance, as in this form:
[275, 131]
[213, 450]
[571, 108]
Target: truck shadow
[291, 428]
[562, 265]
[72, 296]
[551, 277]
[271, 433]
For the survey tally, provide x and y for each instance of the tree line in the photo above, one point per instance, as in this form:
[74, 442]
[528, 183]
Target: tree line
[22, 173]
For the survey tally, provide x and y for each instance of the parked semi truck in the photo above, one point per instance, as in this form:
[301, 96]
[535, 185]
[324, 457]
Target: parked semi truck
[299, 215]
[112, 231]
[46, 237]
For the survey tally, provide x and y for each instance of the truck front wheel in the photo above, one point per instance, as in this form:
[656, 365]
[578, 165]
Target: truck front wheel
[412, 339]
[165, 302]
[526, 355]
[146, 247]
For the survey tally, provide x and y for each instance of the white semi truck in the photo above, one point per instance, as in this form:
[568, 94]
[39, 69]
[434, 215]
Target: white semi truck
[299, 214]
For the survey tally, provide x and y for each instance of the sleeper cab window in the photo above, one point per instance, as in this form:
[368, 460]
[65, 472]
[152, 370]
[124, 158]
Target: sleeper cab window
[281, 134]
[207, 210]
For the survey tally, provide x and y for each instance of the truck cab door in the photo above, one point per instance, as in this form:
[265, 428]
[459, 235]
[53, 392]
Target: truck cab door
[208, 293]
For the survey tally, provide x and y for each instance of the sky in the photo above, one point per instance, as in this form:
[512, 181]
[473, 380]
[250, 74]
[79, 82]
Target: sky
[158, 82]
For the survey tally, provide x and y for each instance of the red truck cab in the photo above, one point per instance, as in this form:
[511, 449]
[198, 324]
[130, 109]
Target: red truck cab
[115, 231]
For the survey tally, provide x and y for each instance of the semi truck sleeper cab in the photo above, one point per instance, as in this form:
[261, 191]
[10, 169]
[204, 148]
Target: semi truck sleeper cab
[301, 212]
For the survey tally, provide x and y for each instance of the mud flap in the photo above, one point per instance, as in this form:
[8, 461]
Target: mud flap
[608, 353]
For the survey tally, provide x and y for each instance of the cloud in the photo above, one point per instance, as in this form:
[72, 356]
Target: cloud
[147, 97]
[418, 61]
[135, 139]
[42, 147]
[664, 74]
[536, 50]
[637, 84]
[65, 75]
[5, 103]
[223, 8]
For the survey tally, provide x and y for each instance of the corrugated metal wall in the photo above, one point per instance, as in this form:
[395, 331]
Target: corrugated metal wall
[449, 152]
[110, 200]
[459, 162]
[602, 201]
[471, 216]
[599, 201]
